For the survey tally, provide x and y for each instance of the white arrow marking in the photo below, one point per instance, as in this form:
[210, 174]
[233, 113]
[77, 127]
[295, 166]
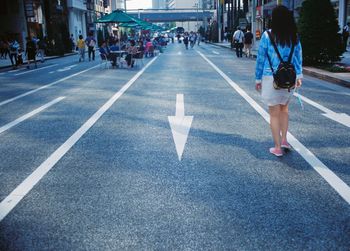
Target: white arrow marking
[66, 68]
[341, 118]
[180, 125]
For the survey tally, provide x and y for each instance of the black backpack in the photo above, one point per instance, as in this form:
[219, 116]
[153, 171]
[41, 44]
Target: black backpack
[285, 75]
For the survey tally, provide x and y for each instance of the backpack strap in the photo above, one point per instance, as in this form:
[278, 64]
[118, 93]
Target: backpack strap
[291, 54]
[277, 51]
[274, 46]
[269, 59]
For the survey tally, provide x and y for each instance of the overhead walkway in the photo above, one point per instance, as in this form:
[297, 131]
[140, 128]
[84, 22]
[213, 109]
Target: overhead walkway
[172, 15]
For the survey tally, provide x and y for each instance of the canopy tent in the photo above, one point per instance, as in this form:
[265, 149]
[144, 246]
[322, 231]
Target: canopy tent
[117, 16]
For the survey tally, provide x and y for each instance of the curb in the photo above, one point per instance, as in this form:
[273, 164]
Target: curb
[328, 78]
[47, 58]
[308, 72]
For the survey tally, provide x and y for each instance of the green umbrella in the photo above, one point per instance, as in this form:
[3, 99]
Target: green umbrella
[117, 16]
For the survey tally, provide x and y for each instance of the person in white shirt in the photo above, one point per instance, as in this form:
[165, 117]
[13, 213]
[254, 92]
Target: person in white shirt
[238, 39]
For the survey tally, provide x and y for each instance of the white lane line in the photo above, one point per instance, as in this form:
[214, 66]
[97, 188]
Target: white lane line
[31, 114]
[38, 69]
[24, 188]
[67, 68]
[45, 86]
[215, 52]
[333, 180]
[341, 118]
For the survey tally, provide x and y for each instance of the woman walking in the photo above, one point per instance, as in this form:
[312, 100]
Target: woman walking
[284, 33]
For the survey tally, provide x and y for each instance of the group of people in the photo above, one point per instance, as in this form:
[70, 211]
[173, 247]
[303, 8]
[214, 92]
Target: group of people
[243, 41]
[190, 39]
[34, 47]
[112, 49]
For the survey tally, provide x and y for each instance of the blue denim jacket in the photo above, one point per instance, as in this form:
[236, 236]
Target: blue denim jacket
[262, 63]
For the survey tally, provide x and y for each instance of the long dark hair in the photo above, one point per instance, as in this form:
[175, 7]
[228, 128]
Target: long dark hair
[283, 26]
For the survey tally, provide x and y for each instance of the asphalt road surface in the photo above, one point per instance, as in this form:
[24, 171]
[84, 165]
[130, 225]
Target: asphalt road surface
[170, 155]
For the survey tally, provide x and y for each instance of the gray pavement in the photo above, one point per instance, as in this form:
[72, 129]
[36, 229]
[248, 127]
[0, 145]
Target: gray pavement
[122, 186]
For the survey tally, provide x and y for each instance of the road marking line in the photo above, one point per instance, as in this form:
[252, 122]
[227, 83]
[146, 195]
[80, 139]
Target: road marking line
[28, 115]
[341, 118]
[45, 86]
[41, 68]
[333, 180]
[215, 52]
[24, 188]
[67, 68]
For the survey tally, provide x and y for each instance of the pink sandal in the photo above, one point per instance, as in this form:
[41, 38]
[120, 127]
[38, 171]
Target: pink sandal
[276, 152]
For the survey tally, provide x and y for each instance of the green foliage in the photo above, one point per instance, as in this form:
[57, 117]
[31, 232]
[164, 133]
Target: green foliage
[318, 30]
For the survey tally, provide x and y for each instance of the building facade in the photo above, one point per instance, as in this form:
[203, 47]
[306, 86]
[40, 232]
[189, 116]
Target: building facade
[77, 18]
[159, 4]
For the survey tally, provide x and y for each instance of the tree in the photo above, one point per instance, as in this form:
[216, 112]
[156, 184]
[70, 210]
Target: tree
[318, 30]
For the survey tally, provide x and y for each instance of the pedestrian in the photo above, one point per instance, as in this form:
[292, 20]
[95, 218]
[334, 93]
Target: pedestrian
[91, 43]
[30, 51]
[192, 39]
[131, 52]
[13, 48]
[248, 41]
[238, 38]
[72, 42]
[284, 33]
[81, 48]
[345, 35]
[41, 48]
[186, 40]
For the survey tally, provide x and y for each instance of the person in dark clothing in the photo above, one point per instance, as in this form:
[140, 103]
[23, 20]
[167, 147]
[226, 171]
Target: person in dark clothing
[248, 41]
[30, 51]
[91, 43]
[186, 40]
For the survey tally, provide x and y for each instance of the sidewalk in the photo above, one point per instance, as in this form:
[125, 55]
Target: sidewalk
[336, 78]
[6, 63]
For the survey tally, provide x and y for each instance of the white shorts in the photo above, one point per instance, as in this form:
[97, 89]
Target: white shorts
[271, 96]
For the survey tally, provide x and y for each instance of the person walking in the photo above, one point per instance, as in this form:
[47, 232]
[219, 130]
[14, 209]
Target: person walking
[284, 33]
[72, 42]
[13, 47]
[91, 43]
[238, 38]
[81, 48]
[186, 40]
[41, 48]
[30, 51]
[248, 41]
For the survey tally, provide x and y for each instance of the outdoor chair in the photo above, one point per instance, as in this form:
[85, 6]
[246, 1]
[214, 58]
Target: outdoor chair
[138, 59]
[104, 61]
